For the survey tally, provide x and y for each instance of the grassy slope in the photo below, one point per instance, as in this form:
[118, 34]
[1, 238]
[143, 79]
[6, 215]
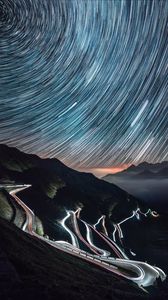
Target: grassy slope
[6, 210]
[48, 273]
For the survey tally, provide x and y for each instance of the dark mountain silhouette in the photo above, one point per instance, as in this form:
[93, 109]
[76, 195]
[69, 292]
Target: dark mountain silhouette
[163, 172]
[145, 173]
[151, 167]
[143, 169]
[148, 174]
[148, 182]
[56, 187]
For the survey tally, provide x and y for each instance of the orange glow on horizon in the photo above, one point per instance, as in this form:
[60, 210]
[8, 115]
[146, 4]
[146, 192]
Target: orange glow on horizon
[100, 172]
[112, 170]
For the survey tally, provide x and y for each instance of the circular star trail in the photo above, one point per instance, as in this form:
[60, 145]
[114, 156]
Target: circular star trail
[85, 80]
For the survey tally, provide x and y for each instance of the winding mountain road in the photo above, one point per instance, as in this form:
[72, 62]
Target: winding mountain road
[139, 272]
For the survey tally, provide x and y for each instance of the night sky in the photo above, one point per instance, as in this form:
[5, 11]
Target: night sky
[85, 81]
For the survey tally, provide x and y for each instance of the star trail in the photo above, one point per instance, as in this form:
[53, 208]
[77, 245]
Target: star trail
[85, 81]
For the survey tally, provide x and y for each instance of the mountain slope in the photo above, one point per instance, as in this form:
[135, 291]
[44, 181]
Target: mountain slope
[148, 182]
[38, 270]
[55, 188]
[144, 169]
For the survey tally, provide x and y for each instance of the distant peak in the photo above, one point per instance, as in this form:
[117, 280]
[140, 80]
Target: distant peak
[144, 163]
[131, 167]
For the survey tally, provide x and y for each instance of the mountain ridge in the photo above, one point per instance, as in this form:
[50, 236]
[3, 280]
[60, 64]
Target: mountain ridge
[56, 187]
[134, 170]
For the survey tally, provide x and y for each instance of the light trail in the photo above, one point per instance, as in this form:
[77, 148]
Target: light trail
[97, 222]
[72, 235]
[112, 244]
[76, 228]
[140, 113]
[89, 239]
[114, 232]
[143, 273]
[117, 226]
[77, 212]
[104, 226]
[133, 253]
[102, 218]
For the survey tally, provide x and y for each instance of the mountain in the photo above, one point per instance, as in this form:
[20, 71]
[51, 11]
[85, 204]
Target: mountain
[39, 270]
[145, 174]
[148, 182]
[31, 269]
[163, 173]
[143, 169]
[56, 187]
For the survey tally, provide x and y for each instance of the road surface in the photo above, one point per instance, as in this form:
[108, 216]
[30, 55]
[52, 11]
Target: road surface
[139, 272]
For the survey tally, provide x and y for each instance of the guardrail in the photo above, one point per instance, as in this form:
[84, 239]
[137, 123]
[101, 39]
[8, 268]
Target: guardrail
[88, 256]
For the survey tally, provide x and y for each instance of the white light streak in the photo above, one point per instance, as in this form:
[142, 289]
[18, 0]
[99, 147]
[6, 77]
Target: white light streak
[140, 113]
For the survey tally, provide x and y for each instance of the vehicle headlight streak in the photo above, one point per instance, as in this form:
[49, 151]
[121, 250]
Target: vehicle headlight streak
[78, 233]
[118, 228]
[118, 251]
[136, 213]
[145, 274]
[89, 239]
[72, 235]
[102, 218]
